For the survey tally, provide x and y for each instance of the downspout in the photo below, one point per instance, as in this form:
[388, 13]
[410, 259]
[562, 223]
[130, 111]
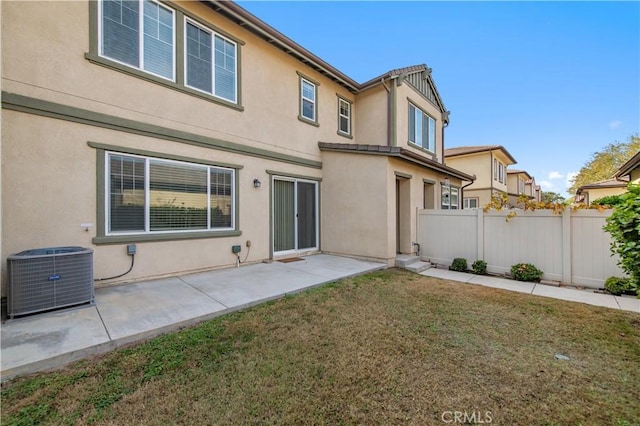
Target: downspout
[462, 191]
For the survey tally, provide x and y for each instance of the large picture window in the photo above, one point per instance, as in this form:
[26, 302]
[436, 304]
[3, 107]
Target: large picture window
[149, 195]
[210, 62]
[140, 34]
[422, 129]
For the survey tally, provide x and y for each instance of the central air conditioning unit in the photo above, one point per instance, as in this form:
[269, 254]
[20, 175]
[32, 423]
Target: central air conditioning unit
[49, 278]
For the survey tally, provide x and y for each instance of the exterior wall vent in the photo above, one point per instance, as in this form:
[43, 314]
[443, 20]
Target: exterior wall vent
[49, 278]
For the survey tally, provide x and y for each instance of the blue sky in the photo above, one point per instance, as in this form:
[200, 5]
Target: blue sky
[553, 82]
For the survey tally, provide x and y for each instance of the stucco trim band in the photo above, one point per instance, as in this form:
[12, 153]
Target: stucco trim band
[44, 108]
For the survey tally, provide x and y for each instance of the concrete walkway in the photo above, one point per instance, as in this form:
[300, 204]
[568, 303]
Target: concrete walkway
[134, 312]
[624, 303]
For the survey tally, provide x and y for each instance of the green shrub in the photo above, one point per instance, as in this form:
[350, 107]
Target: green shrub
[459, 264]
[526, 272]
[624, 227]
[479, 267]
[609, 200]
[618, 286]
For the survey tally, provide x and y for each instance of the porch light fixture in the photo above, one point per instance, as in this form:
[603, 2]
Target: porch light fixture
[257, 183]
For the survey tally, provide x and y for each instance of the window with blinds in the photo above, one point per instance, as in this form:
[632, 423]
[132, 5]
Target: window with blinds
[148, 195]
[210, 62]
[140, 34]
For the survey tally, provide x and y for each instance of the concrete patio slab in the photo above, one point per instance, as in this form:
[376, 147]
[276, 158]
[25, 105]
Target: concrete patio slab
[49, 340]
[133, 312]
[236, 289]
[138, 310]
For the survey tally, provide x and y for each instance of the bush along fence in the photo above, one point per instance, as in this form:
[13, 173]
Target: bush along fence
[569, 246]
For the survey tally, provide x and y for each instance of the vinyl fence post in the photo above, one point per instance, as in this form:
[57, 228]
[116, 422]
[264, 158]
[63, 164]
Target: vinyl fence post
[480, 235]
[566, 246]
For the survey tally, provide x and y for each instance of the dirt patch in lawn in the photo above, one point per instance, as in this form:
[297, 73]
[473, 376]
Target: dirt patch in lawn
[389, 347]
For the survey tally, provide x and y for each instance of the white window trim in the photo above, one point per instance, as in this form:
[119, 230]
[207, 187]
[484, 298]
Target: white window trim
[313, 101]
[141, 40]
[467, 202]
[348, 117]
[188, 20]
[147, 226]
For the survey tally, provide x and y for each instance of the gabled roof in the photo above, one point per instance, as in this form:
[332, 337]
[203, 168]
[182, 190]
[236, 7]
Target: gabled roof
[464, 150]
[626, 168]
[250, 22]
[398, 152]
[419, 77]
[609, 183]
[517, 172]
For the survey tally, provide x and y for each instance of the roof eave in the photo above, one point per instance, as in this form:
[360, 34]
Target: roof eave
[241, 16]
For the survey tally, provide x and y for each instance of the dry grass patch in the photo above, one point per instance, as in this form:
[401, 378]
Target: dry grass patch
[385, 348]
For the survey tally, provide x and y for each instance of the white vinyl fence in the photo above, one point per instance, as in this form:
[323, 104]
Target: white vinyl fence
[570, 247]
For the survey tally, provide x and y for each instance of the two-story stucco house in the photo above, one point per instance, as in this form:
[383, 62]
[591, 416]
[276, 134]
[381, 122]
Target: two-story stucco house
[489, 164]
[519, 184]
[190, 127]
[630, 170]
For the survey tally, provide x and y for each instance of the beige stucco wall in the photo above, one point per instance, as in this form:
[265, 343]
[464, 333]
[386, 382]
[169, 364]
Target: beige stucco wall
[595, 193]
[269, 82]
[49, 190]
[406, 93]
[355, 224]
[479, 164]
[371, 116]
[635, 175]
[369, 228]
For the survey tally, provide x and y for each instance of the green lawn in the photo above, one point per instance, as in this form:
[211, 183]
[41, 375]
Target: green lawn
[389, 347]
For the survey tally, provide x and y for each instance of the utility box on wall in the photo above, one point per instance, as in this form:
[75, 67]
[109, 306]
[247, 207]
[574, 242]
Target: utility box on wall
[49, 278]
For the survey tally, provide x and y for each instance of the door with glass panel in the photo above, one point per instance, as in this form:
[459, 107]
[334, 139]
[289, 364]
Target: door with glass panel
[295, 215]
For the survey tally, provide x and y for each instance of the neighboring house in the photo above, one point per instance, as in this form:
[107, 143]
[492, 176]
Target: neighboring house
[191, 127]
[519, 183]
[630, 170]
[489, 164]
[588, 193]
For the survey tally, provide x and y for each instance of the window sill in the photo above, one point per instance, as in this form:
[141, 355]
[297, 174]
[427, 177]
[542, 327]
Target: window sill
[307, 121]
[344, 135]
[99, 60]
[413, 145]
[141, 238]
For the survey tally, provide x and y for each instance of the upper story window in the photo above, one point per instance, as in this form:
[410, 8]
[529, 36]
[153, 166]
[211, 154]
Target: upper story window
[495, 169]
[308, 99]
[501, 177]
[344, 117]
[140, 34]
[210, 62]
[148, 39]
[422, 129]
[148, 195]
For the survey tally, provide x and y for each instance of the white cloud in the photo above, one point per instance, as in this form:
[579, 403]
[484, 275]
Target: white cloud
[545, 185]
[615, 124]
[555, 175]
